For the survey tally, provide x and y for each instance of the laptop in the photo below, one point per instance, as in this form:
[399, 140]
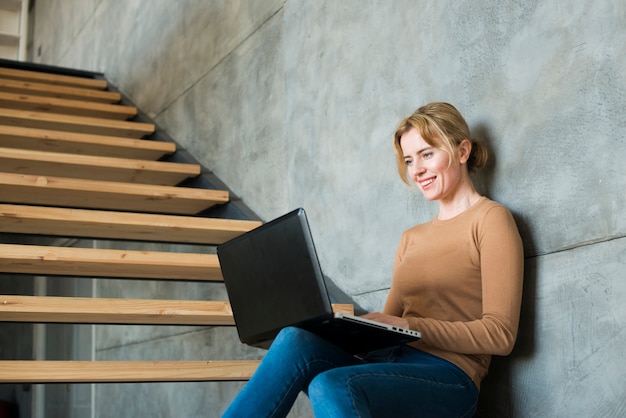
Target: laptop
[273, 279]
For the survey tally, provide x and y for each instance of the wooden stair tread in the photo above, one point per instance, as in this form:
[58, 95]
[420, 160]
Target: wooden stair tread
[61, 92]
[92, 262]
[71, 123]
[65, 106]
[57, 371]
[75, 143]
[23, 219]
[95, 194]
[89, 167]
[77, 310]
[49, 78]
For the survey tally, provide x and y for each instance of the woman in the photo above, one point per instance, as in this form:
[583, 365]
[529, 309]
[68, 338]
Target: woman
[457, 279]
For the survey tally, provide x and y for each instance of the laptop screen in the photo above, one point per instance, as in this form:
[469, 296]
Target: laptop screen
[273, 278]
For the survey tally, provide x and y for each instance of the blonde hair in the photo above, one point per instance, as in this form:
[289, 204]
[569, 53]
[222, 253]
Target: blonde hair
[441, 126]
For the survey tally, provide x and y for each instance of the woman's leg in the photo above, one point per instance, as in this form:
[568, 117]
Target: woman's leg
[410, 383]
[294, 359]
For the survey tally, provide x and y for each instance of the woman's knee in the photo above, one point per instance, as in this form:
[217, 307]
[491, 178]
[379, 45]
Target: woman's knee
[285, 343]
[333, 396]
[286, 333]
[291, 336]
[328, 385]
[317, 387]
[319, 392]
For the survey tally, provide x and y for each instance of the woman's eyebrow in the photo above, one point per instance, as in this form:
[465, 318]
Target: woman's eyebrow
[419, 151]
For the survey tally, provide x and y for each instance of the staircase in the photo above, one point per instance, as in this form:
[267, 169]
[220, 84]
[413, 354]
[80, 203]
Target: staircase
[76, 162]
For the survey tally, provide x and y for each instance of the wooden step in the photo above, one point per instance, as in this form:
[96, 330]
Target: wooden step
[75, 310]
[94, 194]
[32, 371]
[73, 143]
[53, 309]
[79, 124]
[91, 262]
[23, 219]
[61, 92]
[95, 168]
[64, 106]
[57, 79]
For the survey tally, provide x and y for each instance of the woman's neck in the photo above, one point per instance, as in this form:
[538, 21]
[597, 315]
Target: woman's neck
[462, 200]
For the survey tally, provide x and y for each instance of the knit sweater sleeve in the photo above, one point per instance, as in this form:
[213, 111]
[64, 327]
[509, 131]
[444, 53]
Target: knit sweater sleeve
[500, 252]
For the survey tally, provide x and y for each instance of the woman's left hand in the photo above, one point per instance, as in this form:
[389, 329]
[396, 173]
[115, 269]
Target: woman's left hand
[387, 319]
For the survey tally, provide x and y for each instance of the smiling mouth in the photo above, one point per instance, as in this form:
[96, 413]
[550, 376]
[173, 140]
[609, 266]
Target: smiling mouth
[427, 182]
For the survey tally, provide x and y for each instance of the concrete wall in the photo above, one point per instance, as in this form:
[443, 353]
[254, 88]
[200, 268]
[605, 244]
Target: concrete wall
[293, 103]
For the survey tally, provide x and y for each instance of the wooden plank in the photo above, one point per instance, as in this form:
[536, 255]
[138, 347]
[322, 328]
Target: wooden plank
[65, 106]
[49, 78]
[79, 124]
[346, 308]
[31, 371]
[94, 194]
[92, 262]
[95, 168]
[23, 219]
[61, 92]
[75, 310]
[74, 143]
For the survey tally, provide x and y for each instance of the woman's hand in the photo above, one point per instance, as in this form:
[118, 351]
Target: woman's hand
[396, 321]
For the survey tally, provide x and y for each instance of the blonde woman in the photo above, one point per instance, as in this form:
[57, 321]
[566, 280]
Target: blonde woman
[457, 279]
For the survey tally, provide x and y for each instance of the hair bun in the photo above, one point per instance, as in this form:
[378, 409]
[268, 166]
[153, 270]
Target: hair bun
[478, 157]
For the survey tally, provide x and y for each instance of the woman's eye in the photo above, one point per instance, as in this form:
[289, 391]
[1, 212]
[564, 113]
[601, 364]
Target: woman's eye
[408, 162]
[427, 154]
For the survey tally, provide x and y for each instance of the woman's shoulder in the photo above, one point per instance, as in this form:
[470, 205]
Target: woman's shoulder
[486, 205]
[492, 212]
[489, 203]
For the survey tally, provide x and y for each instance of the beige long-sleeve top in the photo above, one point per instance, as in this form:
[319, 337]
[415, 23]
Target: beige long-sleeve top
[459, 282]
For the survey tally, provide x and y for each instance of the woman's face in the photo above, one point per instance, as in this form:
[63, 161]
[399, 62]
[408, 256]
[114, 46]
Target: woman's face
[428, 167]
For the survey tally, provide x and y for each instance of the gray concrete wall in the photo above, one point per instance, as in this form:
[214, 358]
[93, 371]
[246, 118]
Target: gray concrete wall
[293, 103]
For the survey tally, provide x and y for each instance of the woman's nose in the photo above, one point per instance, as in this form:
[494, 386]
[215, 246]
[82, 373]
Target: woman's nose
[416, 170]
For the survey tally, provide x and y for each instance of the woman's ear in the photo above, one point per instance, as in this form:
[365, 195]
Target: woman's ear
[464, 150]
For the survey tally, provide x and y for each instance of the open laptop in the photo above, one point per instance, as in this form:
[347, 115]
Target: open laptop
[273, 279]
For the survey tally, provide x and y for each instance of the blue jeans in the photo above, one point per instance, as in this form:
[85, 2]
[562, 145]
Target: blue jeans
[394, 382]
